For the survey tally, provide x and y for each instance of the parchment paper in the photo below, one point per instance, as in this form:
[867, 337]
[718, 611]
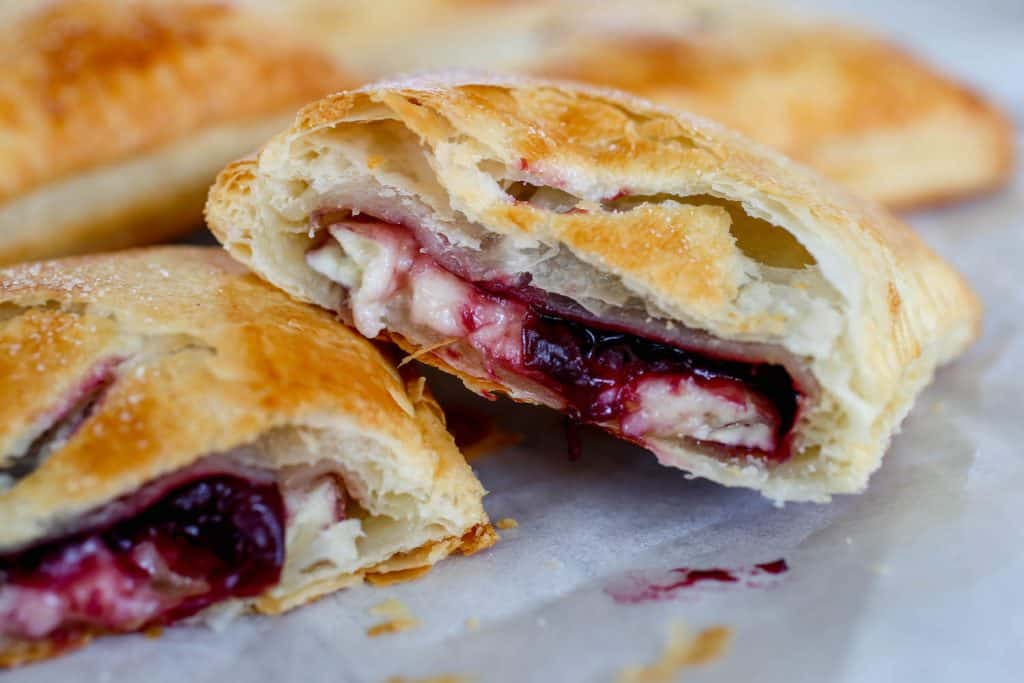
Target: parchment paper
[918, 579]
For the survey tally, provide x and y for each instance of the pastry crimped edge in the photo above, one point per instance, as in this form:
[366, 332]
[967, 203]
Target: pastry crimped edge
[216, 360]
[884, 311]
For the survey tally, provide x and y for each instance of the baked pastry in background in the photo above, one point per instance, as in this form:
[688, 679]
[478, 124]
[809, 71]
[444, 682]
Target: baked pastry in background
[639, 269]
[187, 440]
[861, 110]
[117, 116]
[378, 38]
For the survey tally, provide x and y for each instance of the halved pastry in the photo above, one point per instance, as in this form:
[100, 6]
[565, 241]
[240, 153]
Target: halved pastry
[859, 109]
[178, 438]
[118, 115]
[642, 270]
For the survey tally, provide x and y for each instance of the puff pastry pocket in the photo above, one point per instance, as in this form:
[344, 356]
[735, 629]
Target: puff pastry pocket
[118, 115]
[859, 109]
[640, 270]
[180, 440]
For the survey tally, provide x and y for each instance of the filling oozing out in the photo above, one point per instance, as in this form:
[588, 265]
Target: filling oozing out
[604, 374]
[188, 540]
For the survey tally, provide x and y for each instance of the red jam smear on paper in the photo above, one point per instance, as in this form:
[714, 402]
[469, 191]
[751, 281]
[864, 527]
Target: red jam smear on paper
[597, 371]
[638, 587]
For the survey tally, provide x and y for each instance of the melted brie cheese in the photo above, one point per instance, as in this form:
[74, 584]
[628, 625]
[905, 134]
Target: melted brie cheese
[670, 407]
[391, 283]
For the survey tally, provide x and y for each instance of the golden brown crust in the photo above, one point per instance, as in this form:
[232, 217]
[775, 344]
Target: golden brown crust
[208, 345]
[203, 358]
[91, 82]
[118, 114]
[211, 347]
[622, 141]
[864, 112]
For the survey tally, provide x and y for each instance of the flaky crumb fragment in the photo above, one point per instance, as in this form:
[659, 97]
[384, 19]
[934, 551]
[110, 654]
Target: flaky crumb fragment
[398, 618]
[392, 626]
[507, 523]
[682, 650]
[472, 624]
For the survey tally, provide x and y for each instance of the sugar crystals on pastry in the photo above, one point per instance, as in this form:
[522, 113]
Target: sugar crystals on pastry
[639, 269]
[178, 438]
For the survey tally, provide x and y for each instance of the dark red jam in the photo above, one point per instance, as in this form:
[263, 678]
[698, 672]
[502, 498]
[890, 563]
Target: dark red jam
[605, 372]
[217, 537]
[596, 371]
[637, 587]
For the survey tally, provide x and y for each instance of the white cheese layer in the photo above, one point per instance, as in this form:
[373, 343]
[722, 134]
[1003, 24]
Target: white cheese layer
[393, 285]
[672, 407]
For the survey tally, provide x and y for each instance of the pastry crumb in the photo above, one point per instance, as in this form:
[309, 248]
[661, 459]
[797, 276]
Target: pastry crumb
[472, 624]
[554, 564]
[507, 523]
[153, 632]
[392, 626]
[398, 618]
[682, 650]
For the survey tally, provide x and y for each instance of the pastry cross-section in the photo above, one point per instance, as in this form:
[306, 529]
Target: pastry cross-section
[639, 269]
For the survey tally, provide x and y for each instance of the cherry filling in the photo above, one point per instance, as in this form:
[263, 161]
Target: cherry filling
[603, 375]
[603, 372]
[219, 535]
